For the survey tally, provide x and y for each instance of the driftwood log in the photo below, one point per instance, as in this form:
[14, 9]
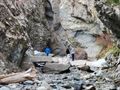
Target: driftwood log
[30, 74]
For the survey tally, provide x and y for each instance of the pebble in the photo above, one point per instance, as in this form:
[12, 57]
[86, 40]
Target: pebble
[28, 82]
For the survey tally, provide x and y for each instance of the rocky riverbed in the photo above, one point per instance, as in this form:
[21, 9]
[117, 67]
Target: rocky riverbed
[65, 76]
[72, 79]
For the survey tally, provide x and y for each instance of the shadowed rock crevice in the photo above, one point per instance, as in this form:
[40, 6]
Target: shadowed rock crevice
[48, 10]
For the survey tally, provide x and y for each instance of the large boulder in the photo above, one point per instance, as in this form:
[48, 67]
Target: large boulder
[55, 68]
[80, 54]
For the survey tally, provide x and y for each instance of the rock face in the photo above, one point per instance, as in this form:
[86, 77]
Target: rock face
[76, 22]
[21, 23]
[13, 38]
[38, 25]
[110, 16]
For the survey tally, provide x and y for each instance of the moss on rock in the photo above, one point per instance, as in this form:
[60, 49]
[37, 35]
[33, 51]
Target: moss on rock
[73, 41]
[115, 51]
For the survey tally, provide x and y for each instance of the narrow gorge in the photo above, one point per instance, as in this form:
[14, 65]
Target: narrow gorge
[92, 27]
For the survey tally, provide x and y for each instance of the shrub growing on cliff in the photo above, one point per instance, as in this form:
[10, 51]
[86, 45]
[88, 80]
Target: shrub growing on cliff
[115, 51]
[113, 1]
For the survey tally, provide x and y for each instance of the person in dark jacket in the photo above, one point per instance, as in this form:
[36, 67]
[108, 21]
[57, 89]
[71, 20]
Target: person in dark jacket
[72, 52]
[68, 53]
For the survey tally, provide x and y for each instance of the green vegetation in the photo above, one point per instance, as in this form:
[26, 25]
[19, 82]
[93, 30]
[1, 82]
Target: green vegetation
[113, 1]
[115, 51]
[73, 41]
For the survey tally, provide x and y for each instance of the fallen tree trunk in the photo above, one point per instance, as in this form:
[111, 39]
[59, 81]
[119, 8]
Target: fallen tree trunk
[30, 74]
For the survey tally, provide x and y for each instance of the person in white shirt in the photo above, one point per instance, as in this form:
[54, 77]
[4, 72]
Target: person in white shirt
[68, 53]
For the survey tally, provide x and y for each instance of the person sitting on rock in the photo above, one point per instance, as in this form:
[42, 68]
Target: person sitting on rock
[47, 50]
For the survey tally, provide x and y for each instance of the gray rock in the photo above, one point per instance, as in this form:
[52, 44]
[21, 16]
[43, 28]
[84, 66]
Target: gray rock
[55, 68]
[16, 87]
[44, 86]
[28, 87]
[77, 86]
[91, 87]
[41, 88]
[86, 68]
[28, 82]
[67, 87]
[4, 88]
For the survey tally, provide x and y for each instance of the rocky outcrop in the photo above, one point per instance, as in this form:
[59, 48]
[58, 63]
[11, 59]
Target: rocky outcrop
[39, 19]
[13, 37]
[76, 22]
[110, 16]
[22, 24]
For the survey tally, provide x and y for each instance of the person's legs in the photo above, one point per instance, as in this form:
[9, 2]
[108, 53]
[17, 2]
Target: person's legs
[47, 54]
[72, 57]
[68, 57]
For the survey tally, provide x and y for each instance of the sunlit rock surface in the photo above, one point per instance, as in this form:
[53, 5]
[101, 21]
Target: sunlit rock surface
[78, 24]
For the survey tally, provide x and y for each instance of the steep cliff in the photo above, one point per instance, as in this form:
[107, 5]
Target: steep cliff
[22, 24]
[13, 36]
[109, 15]
[76, 22]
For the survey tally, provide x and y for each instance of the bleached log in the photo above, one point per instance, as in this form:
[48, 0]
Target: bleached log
[30, 74]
